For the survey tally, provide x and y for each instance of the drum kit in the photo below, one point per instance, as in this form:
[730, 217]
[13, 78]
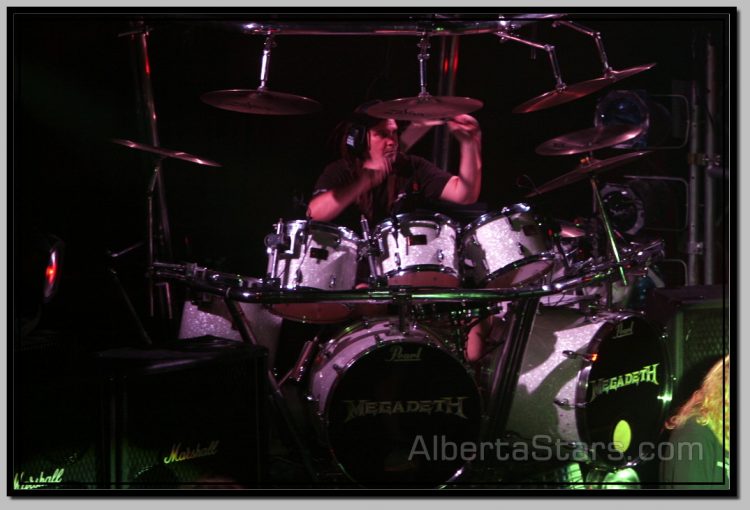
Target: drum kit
[572, 366]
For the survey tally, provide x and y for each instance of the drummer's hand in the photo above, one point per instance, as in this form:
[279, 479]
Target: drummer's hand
[376, 171]
[465, 128]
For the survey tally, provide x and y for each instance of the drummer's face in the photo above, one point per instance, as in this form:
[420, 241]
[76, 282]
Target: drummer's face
[383, 138]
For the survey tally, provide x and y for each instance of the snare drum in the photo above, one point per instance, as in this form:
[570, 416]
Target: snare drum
[383, 398]
[315, 255]
[593, 388]
[419, 250]
[506, 249]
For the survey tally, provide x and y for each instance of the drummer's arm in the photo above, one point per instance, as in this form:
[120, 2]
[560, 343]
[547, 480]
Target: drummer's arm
[464, 188]
[328, 205]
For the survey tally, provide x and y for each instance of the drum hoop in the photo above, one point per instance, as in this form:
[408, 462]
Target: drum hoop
[609, 322]
[429, 340]
[491, 216]
[438, 218]
[422, 268]
[539, 257]
[429, 337]
[330, 228]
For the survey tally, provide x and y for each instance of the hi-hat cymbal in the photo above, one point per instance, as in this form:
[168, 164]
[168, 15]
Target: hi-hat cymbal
[587, 168]
[572, 92]
[589, 139]
[168, 153]
[261, 102]
[425, 107]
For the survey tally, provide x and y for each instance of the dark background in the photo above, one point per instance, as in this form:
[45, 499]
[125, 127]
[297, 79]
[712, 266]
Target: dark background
[74, 89]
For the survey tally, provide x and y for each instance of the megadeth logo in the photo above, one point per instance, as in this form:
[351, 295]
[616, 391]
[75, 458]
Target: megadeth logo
[645, 375]
[445, 405]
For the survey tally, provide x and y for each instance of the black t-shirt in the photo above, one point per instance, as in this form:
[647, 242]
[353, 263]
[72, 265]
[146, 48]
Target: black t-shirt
[695, 460]
[412, 175]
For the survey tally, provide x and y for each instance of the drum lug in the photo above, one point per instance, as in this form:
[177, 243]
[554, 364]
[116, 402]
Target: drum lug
[378, 339]
[298, 277]
[588, 358]
[332, 281]
[565, 404]
[440, 255]
[338, 368]
[397, 258]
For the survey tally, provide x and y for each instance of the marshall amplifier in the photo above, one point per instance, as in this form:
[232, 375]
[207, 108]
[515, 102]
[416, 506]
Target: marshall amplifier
[191, 416]
[54, 416]
[696, 321]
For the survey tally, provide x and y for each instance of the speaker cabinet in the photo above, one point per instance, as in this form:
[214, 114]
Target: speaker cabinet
[53, 409]
[191, 416]
[697, 325]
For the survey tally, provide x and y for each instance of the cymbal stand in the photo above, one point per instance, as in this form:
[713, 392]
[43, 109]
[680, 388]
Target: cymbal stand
[608, 229]
[150, 238]
[596, 35]
[377, 279]
[139, 35]
[265, 62]
[548, 48]
[423, 57]
[274, 242]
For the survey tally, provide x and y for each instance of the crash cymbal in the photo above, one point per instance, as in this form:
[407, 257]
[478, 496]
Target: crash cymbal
[167, 153]
[425, 107]
[587, 168]
[261, 102]
[589, 140]
[572, 92]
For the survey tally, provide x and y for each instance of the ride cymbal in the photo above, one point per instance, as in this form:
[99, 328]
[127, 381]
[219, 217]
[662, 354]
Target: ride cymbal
[167, 153]
[588, 140]
[577, 90]
[425, 107]
[261, 102]
[587, 168]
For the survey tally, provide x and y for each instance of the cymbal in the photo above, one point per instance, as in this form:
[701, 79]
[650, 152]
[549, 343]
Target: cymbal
[572, 92]
[261, 102]
[425, 107]
[589, 139]
[587, 168]
[168, 153]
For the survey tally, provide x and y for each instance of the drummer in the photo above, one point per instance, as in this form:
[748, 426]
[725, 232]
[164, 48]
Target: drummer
[372, 176]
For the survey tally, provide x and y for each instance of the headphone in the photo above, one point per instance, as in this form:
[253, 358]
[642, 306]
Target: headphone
[355, 137]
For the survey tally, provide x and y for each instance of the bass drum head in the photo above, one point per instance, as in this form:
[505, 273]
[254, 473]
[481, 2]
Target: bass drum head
[393, 409]
[627, 390]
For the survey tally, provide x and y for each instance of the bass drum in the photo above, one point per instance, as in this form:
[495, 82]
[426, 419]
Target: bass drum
[592, 389]
[386, 403]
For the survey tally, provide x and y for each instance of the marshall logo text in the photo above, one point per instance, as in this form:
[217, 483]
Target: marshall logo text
[178, 454]
[31, 482]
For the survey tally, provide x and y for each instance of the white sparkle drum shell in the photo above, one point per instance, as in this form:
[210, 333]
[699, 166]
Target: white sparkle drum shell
[596, 389]
[505, 249]
[419, 250]
[317, 256]
[382, 398]
[207, 314]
